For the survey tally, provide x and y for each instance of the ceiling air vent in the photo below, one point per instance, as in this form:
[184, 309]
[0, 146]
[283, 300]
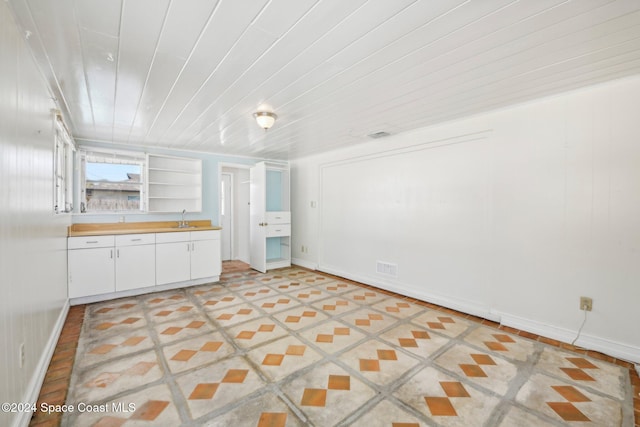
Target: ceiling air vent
[377, 135]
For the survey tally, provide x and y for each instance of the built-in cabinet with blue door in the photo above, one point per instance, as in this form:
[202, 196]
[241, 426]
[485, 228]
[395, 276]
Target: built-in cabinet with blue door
[270, 216]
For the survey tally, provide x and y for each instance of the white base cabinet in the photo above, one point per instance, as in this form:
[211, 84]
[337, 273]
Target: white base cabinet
[112, 266]
[91, 271]
[135, 261]
[186, 256]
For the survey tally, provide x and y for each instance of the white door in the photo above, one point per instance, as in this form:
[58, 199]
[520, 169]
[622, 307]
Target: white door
[257, 208]
[226, 215]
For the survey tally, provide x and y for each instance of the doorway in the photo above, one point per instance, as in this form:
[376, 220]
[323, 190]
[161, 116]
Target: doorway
[226, 215]
[234, 211]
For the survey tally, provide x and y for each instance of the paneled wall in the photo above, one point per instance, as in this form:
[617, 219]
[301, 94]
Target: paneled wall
[33, 282]
[511, 215]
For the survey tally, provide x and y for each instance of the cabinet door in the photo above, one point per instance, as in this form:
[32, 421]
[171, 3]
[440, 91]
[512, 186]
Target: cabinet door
[135, 267]
[257, 208]
[91, 272]
[173, 262]
[205, 259]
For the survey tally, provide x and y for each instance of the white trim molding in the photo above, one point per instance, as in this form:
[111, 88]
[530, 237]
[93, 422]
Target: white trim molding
[32, 392]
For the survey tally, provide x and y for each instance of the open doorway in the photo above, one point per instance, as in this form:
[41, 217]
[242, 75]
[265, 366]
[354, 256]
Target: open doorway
[234, 211]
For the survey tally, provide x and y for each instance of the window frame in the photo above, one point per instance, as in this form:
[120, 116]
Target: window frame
[118, 157]
[63, 152]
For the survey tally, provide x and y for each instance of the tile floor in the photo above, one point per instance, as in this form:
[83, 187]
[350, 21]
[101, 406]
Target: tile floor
[297, 348]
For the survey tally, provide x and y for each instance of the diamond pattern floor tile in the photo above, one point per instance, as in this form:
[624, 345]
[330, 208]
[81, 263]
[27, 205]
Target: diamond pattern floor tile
[564, 401]
[446, 400]
[294, 347]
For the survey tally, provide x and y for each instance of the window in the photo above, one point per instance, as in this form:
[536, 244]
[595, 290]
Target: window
[112, 181]
[63, 168]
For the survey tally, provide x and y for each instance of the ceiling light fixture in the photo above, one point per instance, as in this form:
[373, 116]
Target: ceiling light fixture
[265, 119]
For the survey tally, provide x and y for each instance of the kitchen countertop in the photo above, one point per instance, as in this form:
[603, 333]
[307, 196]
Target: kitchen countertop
[101, 229]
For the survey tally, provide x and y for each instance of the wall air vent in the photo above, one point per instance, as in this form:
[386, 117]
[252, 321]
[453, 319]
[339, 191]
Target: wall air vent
[387, 268]
[377, 135]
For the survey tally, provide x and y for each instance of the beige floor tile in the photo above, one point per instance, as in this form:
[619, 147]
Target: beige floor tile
[256, 332]
[151, 407]
[172, 312]
[294, 347]
[335, 305]
[212, 387]
[265, 411]
[257, 293]
[337, 287]
[283, 357]
[180, 329]
[290, 286]
[498, 342]
[327, 394]
[276, 303]
[300, 317]
[442, 323]
[386, 413]
[378, 362]
[365, 296]
[102, 310]
[398, 308]
[414, 339]
[489, 371]
[240, 313]
[584, 371]
[122, 323]
[446, 400]
[517, 417]
[112, 346]
[116, 377]
[370, 321]
[160, 299]
[220, 301]
[196, 352]
[564, 401]
[332, 337]
[309, 295]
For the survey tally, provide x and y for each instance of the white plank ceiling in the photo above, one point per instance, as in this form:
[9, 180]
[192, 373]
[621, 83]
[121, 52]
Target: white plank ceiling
[188, 74]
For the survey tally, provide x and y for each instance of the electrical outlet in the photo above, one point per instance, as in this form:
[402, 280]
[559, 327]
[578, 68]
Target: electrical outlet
[21, 355]
[586, 303]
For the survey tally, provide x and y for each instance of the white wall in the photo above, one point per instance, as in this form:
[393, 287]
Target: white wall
[511, 215]
[33, 282]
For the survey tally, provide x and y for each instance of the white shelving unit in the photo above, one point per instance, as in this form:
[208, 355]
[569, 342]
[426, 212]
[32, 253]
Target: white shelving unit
[174, 184]
[270, 216]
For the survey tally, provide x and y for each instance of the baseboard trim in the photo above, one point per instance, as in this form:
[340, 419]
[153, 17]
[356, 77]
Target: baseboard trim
[590, 342]
[304, 263]
[141, 291]
[35, 384]
[458, 304]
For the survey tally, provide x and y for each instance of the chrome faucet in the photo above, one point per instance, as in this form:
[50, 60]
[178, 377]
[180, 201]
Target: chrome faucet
[183, 223]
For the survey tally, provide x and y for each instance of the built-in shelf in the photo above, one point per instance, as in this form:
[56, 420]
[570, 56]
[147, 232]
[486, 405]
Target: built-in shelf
[174, 184]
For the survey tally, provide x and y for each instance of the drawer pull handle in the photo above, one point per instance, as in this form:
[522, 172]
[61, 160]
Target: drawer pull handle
[135, 240]
[92, 241]
[278, 230]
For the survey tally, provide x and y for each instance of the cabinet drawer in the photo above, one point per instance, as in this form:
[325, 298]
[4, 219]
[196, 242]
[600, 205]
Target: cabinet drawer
[205, 235]
[276, 230]
[277, 217]
[90, 242]
[177, 236]
[135, 239]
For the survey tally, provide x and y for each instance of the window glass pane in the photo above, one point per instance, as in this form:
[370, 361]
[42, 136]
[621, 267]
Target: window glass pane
[112, 186]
